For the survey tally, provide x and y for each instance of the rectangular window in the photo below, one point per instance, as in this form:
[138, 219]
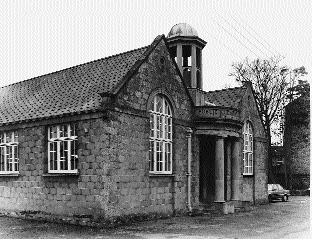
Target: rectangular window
[248, 163]
[9, 161]
[248, 157]
[62, 153]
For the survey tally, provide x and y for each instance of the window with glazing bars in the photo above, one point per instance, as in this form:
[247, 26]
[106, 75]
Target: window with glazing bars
[62, 155]
[9, 161]
[160, 152]
[248, 149]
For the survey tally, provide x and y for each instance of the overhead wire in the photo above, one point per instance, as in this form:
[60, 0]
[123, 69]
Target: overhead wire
[227, 47]
[242, 35]
[238, 55]
[258, 36]
[223, 43]
[235, 38]
[252, 35]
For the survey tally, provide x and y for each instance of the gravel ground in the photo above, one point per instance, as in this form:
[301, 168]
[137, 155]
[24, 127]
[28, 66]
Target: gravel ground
[276, 220]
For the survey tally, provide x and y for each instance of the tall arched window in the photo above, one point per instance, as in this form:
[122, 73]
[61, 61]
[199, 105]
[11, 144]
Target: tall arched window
[248, 149]
[160, 152]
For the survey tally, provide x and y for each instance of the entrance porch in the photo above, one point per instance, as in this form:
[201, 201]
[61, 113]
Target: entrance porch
[219, 173]
[218, 129]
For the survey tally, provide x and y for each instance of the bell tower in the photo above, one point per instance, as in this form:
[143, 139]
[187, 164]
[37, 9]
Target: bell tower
[186, 48]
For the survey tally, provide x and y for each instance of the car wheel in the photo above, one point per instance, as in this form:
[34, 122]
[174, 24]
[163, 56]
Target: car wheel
[285, 198]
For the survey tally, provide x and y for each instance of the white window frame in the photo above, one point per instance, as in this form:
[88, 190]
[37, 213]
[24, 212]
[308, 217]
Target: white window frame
[160, 151]
[248, 155]
[57, 140]
[11, 164]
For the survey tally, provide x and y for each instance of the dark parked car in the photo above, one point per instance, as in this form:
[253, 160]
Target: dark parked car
[276, 191]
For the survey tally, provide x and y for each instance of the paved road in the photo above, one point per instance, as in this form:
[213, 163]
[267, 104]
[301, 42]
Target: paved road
[276, 220]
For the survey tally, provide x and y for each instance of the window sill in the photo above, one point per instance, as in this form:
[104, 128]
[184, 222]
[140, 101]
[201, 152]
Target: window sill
[59, 174]
[9, 174]
[248, 175]
[160, 175]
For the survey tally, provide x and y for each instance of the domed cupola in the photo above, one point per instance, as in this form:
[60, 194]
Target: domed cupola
[185, 46]
[182, 29]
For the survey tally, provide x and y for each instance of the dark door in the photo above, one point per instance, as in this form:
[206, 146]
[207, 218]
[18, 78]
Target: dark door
[207, 168]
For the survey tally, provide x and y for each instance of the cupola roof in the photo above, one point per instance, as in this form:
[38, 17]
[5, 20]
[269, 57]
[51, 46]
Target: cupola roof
[182, 29]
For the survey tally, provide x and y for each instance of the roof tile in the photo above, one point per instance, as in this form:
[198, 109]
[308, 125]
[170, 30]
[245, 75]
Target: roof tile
[72, 90]
[226, 97]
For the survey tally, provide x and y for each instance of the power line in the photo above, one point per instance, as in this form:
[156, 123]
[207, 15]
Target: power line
[252, 35]
[235, 38]
[242, 35]
[223, 44]
[259, 37]
[238, 55]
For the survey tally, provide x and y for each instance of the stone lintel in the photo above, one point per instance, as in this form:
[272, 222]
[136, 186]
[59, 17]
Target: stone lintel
[221, 133]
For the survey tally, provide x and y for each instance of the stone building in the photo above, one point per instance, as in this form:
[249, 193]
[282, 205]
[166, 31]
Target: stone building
[132, 133]
[297, 143]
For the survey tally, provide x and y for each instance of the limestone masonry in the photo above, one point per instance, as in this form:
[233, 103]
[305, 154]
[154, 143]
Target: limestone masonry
[131, 134]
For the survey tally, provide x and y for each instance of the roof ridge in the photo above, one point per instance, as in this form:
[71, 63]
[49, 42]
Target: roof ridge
[138, 63]
[72, 67]
[70, 90]
[234, 88]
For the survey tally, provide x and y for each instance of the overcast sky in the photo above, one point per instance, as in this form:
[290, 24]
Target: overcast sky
[38, 37]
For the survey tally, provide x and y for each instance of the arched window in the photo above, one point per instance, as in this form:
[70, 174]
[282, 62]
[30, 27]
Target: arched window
[160, 152]
[248, 149]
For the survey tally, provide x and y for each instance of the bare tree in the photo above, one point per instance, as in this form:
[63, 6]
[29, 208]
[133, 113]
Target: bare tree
[270, 81]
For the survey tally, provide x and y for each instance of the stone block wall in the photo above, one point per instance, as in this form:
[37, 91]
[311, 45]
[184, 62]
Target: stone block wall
[297, 143]
[247, 189]
[254, 188]
[261, 169]
[36, 190]
[156, 77]
[113, 178]
[159, 193]
[299, 154]
[134, 190]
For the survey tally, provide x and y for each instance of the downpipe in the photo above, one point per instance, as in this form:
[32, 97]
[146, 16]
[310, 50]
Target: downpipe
[189, 171]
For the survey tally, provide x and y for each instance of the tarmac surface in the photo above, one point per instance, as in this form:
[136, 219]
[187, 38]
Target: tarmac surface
[276, 220]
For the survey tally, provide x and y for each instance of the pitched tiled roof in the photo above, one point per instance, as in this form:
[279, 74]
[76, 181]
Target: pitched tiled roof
[227, 97]
[72, 90]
